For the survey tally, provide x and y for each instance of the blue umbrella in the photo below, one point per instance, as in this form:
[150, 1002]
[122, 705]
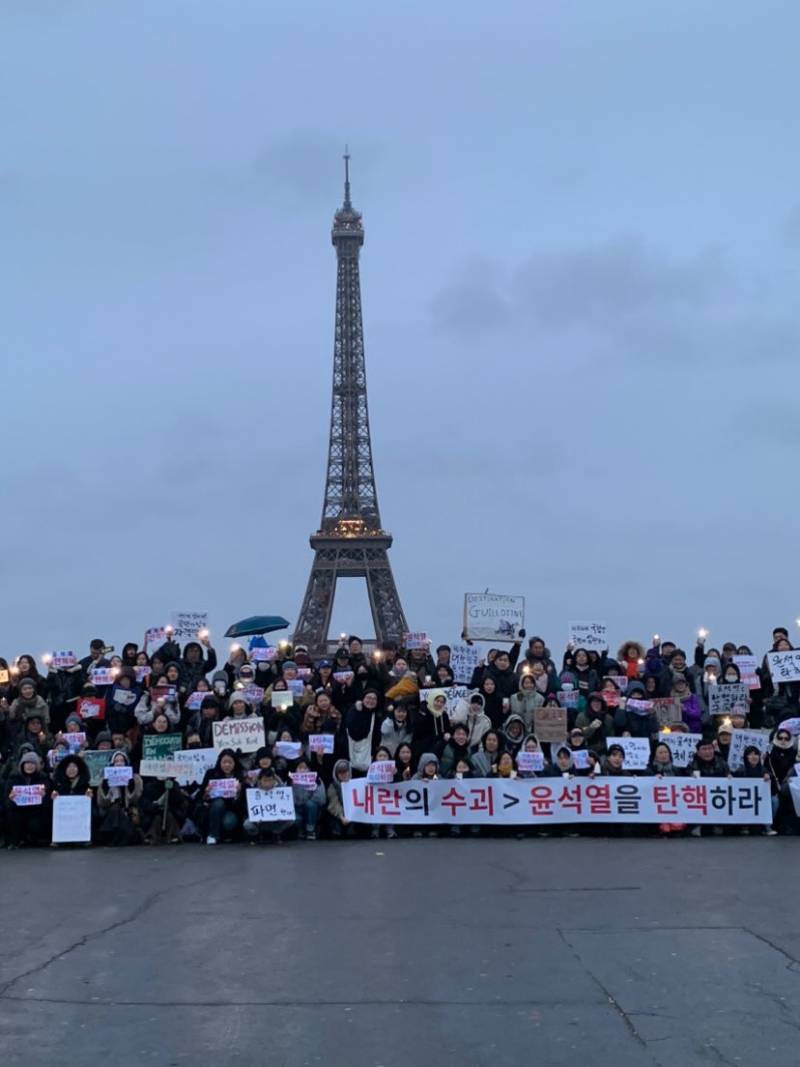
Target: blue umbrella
[257, 624]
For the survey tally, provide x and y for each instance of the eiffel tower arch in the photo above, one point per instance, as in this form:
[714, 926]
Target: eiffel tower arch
[350, 542]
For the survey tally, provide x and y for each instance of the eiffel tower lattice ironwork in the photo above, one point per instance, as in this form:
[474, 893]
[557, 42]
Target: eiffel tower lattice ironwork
[350, 541]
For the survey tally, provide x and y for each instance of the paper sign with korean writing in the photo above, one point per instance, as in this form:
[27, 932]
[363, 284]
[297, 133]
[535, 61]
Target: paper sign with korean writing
[493, 617]
[63, 660]
[155, 637]
[223, 787]
[253, 694]
[343, 677]
[246, 735]
[742, 739]
[543, 801]
[593, 636]
[72, 819]
[270, 805]
[748, 671]
[260, 654]
[160, 768]
[784, 666]
[195, 700]
[193, 764]
[281, 699]
[636, 749]
[288, 749]
[682, 746]
[726, 699]
[463, 662]
[74, 740]
[416, 639]
[306, 779]
[580, 759]
[91, 707]
[117, 776]
[26, 796]
[102, 675]
[639, 707]
[382, 770]
[322, 743]
[530, 761]
[187, 624]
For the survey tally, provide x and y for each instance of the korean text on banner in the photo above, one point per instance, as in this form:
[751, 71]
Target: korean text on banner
[270, 805]
[245, 734]
[593, 636]
[72, 819]
[784, 666]
[542, 802]
[492, 617]
[186, 624]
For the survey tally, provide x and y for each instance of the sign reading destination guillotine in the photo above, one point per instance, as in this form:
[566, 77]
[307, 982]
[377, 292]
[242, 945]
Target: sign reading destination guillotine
[493, 617]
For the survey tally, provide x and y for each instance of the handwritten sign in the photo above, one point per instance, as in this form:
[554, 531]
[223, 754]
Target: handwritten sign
[96, 760]
[164, 694]
[343, 677]
[593, 636]
[186, 624]
[123, 697]
[382, 770]
[667, 710]
[304, 673]
[195, 700]
[160, 746]
[281, 699]
[636, 749]
[155, 637]
[493, 617]
[305, 779]
[784, 666]
[72, 819]
[580, 759]
[463, 662]
[748, 671]
[193, 763]
[550, 724]
[569, 698]
[416, 639]
[288, 749]
[102, 676]
[530, 761]
[91, 707]
[270, 805]
[246, 735]
[160, 768]
[322, 743]
[118, 776]
[742, 739]
[726, 699]
[452, 695]
[26, 796]
[253, 694]
[682, 746]
[227, 788]
[63, 660]
[262, 654]
[296, 687]
[74, 740]
[639, 707]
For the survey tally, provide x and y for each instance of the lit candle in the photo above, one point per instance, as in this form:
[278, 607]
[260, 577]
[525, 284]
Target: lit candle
[702, 633]
[656, 639]
[47, 659]
[203, 634]
[342, 637]
[283, 644]
[169, 630]
[376, 655]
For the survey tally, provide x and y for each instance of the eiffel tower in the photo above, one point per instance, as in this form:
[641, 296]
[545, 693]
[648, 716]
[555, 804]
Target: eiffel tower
[350, 541]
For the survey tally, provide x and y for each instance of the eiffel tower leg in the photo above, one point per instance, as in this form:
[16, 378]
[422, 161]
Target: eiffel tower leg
[315, 614]
[387, 614]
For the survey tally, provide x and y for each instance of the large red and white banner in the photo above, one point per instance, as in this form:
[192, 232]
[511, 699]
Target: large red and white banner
[547, 801]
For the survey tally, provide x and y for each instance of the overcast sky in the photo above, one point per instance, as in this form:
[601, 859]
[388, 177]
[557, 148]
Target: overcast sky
[580, 285]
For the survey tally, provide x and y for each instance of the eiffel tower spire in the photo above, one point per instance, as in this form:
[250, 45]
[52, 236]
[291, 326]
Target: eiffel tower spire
[350, 541]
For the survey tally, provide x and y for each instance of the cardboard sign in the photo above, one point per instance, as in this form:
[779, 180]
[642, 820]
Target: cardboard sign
[281, 699]
[682, 746]
[26, 796]
[463, 662]
[72, 819]
[550, 724]
[96, 760]
[270, 805]
[91, 708]
[118, 776]
[667, 710]
[322, 743]
[223, 787]
[382, 770]
[784, 666]
[742, 739]
[187, 624]
[748, 671]
[530, 761]
[417, 639]
[636, 749]
[593, 636]
[160, 746]
[246, 735]
[725, 699]
[492, 617]
[63, 660]
[194, 762]
[306, 779]
[102, 676]
[288, 749]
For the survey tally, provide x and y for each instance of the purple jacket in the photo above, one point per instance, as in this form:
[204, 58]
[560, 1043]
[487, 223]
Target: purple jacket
[692, 713]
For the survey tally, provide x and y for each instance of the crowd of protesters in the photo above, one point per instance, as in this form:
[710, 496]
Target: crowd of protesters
[387, 704]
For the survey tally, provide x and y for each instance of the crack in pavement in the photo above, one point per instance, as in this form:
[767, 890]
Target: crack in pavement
[791, 965]
[404, 1002]
[137, 913]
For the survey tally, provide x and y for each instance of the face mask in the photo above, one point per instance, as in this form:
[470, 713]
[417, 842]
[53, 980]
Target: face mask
[567, 687]
[730, 677]
[782, 744]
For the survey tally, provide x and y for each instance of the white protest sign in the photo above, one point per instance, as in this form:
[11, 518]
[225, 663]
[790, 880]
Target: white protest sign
[74, 740]
[530, 761]
[72, 819]
[193, 763]
[245, 734]
[636, 749]
[253, 694]
[417, 639]
[186, 624]
[748, 668]
[682, 746]
[322, 743]
[262, 654]
[580, 759]
[226, 788]
[382, 770]
[155, 636]
[343, 677]
[270, 805]
[281, 699]
[196, 699]
[296, 687]
[742, 739]
[288, 749]
[26, 796]
[725, 699]
[306, 779]
[116, 776]
[593, 636]
[142, 672]
[463, 662]
[160, 768]
[784, 666]
[493, 617]
[63, 660]
[102, 675]
[639, 707]
[452, 695]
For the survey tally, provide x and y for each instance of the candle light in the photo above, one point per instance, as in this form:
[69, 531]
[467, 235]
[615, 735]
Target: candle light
[656, 639]
[47, 659]
[376, 655]
[169, 630]
[203, 634]
[283, 644]
[702, 633]
[235, 648]
[342, 636]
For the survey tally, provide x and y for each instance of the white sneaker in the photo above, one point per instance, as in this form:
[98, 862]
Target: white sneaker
[697, 832]
[211, 840]
[771, 832]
